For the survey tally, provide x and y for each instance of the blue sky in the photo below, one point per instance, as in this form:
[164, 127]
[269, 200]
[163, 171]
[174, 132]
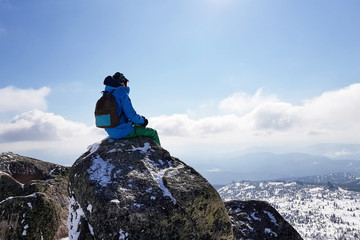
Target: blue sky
[212, 76]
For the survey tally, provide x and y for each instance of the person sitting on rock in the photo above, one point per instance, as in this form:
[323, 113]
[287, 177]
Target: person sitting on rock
[131, 124]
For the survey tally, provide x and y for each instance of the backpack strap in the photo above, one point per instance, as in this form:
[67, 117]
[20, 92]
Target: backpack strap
[122, 110]
[107, 92]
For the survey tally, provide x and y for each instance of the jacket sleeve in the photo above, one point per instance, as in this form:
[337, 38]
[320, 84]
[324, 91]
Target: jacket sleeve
[129, 110]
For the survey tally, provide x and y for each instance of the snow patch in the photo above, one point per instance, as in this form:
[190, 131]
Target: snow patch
[142, 149]
[123, 235]
[91, 229]
[100, 171]
[93, 148]
[254, 217]
[52, 171]
[272, 218]
[9, 198]
[115, 150]
[89, 208]
[275, 183]
[158, 175]
[25, 232]
[137, 205]
[269, 231]
[248, 188]
[74, 218]
[290, 184]
[115, 201]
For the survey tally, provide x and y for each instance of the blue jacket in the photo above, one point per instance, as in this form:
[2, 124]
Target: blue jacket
[125, 110]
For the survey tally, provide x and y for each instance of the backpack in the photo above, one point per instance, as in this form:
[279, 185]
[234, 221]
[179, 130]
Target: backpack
[106, 115]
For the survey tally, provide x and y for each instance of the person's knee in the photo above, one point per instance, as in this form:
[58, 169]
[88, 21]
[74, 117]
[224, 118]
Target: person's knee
[155, 132]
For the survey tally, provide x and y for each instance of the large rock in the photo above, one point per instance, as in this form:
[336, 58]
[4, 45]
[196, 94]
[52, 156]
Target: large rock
[29, 217]
[259, 220]
[134, 189]
[33, 198]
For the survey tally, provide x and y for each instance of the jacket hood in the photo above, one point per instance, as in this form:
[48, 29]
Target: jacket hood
[110, 81]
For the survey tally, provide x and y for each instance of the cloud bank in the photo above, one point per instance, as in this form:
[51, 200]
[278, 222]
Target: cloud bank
[334, 115]
[41, 134]
[19, 100]
[36, 125]
[240, 121]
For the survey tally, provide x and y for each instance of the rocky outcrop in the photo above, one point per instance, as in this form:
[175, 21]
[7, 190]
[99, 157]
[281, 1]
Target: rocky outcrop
[259, 220]
[134, 189]
[33, 198]
[125, 189]
[33, 216]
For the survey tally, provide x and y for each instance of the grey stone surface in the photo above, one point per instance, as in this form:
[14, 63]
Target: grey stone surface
[259, 220]
[28, 182]
[134, 189]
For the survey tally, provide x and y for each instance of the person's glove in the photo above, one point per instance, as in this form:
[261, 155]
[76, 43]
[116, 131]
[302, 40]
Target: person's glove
[145, 122]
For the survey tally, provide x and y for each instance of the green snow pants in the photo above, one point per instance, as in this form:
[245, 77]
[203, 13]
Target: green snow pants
[144, 132]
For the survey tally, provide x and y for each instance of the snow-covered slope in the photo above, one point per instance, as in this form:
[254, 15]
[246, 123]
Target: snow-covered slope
[315, 211]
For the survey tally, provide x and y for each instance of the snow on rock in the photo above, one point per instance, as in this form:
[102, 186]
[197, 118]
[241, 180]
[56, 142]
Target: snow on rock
[140, 191]
[123, 235]
[25, 230]
[89, 208]
[100, 171]
[142, 149]
[30, 188]
[158, 175]
[93, 148]
[76, 213]
[254, 217]
[271, 216]
[269, 231]
[306, 206]
[268, 224]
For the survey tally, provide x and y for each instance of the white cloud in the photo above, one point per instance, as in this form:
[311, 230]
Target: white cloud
[36, 125]
[48, 136]
[19, 100]
[183, 125]
[332, 116]
[275, 115]
[249, 120]
[40, 134]
[242, 103]
[334, 110]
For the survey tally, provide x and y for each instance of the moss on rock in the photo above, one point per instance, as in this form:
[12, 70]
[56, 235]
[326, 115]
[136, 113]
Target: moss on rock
[29, 217]
[134, 189]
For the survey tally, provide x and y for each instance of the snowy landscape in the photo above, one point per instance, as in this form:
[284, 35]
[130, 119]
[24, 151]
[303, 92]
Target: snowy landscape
[315, 210]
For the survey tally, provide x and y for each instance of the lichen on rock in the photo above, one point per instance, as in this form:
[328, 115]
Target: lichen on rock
[33, 198]
[259, 220]
[29, 217]
[134, 189]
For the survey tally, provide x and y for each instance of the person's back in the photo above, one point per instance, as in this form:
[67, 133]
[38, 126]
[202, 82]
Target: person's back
[131, 124]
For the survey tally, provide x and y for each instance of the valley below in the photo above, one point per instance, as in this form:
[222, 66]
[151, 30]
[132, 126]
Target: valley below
[317, 210]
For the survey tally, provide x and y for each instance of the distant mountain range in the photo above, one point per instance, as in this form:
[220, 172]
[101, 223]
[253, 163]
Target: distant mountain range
[336, 151]
[270, 166]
